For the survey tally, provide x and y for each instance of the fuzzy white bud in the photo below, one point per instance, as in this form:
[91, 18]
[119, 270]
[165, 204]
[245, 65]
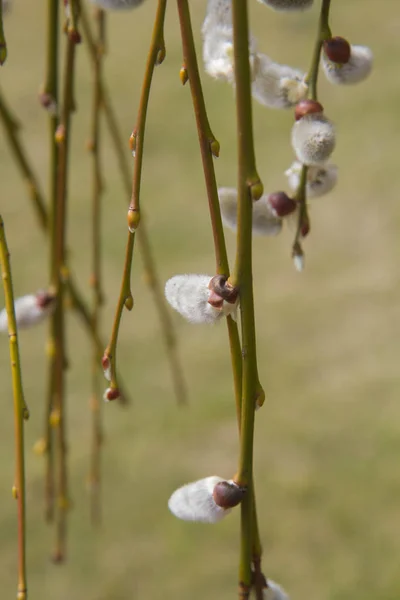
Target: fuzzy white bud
[355, 70]
[320, 180]
[117, 4]
[277, 86]
[29, 310]
[298, 261]
[274, 591]
[288, 5]
[189, 295]
[195, 502]
[265, 222]
[313, 139]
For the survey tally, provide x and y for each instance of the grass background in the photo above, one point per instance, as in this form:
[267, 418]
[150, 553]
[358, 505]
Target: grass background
[328, 438]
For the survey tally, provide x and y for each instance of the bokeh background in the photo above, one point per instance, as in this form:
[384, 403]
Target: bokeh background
[328, 438]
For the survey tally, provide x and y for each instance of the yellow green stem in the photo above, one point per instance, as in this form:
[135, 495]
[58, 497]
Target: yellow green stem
[20, 412]
[155, 56]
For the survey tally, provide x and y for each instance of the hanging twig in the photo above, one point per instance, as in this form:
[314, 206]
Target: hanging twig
[20, 413]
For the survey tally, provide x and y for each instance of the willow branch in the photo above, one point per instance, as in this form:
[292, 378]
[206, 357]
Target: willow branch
[49, 99]
[96, 277]
[3, 43]
[63, 134]
[242, 278]
[323, 34]
[39, 204]
[155, 56]
[20, 412]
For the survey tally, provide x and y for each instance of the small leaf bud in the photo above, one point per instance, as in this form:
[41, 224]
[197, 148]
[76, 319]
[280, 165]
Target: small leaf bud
[183, 75]
[133, 219]
[129, 302]
[215, 147]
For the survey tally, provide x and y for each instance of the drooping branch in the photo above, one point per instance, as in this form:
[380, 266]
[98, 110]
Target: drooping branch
[20, 413]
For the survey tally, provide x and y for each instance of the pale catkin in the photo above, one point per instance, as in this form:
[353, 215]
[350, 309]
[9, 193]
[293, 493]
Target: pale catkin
[277, 86]
[188, 294]
[117, 4]
[274, 591]
[28, 311]
[313, 139]
[354, 71]
[265, 222]
[288, 5]
[195, 502]
[320, 179]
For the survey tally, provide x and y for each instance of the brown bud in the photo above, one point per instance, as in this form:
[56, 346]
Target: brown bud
[44, 299]
[228, 494]
[105, 362]
[57, 557]
[132, 141]
[305, 227]
[223, 288]
[307, 107]
[60, 134]
[183, 75]
[215, 300]
[74, 36]
[161, 54]
[338, 50]
[281, 204]
[111, 394]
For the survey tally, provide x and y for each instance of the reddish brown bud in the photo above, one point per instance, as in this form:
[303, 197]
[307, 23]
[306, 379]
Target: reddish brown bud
[307, 107]
[111, 394]
[74, 36]
[44, 299]
[281, 204]
[305, 228]
[223, 288]
[338, 50]
[215, 300]
[228, 494]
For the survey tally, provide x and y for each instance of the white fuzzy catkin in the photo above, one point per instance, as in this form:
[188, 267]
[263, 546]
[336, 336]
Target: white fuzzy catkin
[320, 180]
[28, 312]
[313, 139]
[188, 294]
[195, 502]
[117, 4]
[277, 86]
[274, 591]
[217, 32]
[288, 5]
[265, 222]
[355, 70]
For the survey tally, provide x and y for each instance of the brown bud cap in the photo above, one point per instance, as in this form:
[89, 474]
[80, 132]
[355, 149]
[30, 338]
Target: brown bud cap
[44, 299]
[215, 300]
[307, 107]
[57, 557]
[74, 35]
[133, 219]
[338, 50]
[228, 494]
[281, 204]
[183, 75]
[305, 227]
[223, 288]
[105, 362]
[111, 394]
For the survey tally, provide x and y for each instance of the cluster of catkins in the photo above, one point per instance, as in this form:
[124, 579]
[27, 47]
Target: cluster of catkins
[281, 86]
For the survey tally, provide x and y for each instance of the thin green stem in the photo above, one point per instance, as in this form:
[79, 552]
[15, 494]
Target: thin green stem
[242, 278]
[3, 43]
[155, 56]
[20, 412]
[58, 416]
[96, 278]
[39, 204]
[323, 34]
[50, 99]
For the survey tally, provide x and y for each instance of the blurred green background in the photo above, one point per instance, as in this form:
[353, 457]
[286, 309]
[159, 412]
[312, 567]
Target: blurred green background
[328, 438]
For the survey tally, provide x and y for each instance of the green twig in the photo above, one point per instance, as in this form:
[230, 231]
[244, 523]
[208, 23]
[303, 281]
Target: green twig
[155, 56]
[20, 412]
[96, 279]
[323, 34]
[242, 278]
[49, 98]
[150, 271]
